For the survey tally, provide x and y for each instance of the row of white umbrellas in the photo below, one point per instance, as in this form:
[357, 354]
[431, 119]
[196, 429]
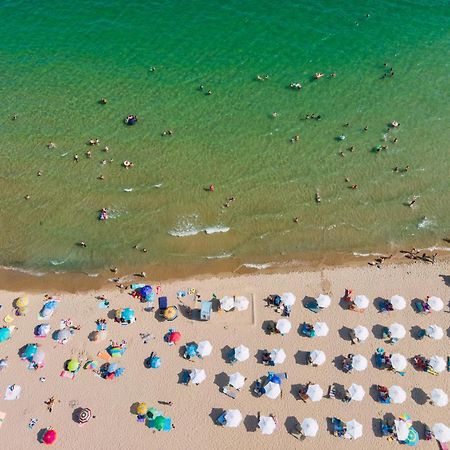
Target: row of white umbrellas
[398, 331]
[398, 302]
[227, 303]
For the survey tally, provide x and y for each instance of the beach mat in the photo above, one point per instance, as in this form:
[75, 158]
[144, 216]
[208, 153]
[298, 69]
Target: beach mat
[104, 355]
[67, 374]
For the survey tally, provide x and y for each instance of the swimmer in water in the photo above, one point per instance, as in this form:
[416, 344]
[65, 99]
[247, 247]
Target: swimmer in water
[76, 158]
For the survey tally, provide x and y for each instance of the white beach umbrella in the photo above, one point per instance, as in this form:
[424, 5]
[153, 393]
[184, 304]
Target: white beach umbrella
[233, 418]
[359, 363]
[309, 427]
[439, 397]
[227, 303]
[241, 353]
[321, 329]
[354, 429]
[397, 394]
[267, 424]
[288, 299]
[197, 376]
[437, 364]
[283, 326]
[397, 331]
[277, 356]
[398, 362]
[204, 348]
[38, 357]
[398, 302]
[435, 303]
[241, 303]
[323, 301]
[356, 392]
[314, 392]
[237, 380]
[401, 429]
[361, 301]
[64, 334]
[317, 357]
[435, 332]
[272, 390]
[361, 333]
[441, 432]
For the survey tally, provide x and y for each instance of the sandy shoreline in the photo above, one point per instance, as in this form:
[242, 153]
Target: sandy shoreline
[195, 407]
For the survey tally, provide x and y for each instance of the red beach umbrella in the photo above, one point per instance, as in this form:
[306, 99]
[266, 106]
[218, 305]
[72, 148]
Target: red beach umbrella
[174, 337]
[49, 437]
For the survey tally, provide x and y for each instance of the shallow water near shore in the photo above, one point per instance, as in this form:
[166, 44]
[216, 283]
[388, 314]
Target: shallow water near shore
[65, 57]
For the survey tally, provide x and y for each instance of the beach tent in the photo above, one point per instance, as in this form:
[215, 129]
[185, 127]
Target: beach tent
[314, 392]
[267, 424]
[236, 380]
[272, 390]
[356, 392]
[361, 333]
[197, 376]
[317, 357]
[398, 362]
[283, 326]
[233, 418]
[354, 430]
[435, 303]
[397, 394]
[437, 364]
[241, 353]
[398, 302]
[277, 356]
[441, 432]
[227, 303]
[439, 397]
[321, 329]
[204, 349]
[241, 303]
[359, 363]
[435, 332]
[288, 299]
[309, 427]
[397, 331]
[361, 301]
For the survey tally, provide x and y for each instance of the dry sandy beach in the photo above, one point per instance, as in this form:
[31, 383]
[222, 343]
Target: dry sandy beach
[194, 408]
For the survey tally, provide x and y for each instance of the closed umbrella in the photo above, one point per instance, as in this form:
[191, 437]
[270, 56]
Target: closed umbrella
[361, 333]
[323, 301]
[435, 303]
[272, 390]
[241, 353]
[49, 437]
[401, 429]
[233, 418]
[314, 392]
[197, 376]
[361, 301]
[398, 302]
[267, 424]
[398, 362]
[288, 299]
[441, 432]
[435, 332]
[227, 303]
[356, 392]
[237, 380]
[397, 331]
[204, 348]
[317, 357]
[397, 394]
[283, 326]
[85, 415]
[439, 397]
[437, 364]
[241, 303]
[277, 356]
[321, 329]
[354, 429]
[309, 427]
[359, 363]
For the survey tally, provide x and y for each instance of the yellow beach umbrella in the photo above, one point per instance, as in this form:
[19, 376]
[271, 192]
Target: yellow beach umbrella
[142, 409]
[22, 302]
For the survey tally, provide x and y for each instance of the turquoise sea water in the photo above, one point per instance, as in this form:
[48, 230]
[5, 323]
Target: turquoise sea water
[57, 59]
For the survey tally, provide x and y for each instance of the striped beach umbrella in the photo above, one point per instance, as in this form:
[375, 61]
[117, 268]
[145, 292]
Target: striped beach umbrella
[84, 416]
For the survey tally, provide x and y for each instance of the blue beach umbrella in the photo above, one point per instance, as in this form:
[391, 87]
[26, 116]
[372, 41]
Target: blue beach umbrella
[275, 379]
[29, 351]
[112, 367]
[119, 372]
[191, 350]
[128, 314]
[5, 334]
[146, 291]
[155, 362]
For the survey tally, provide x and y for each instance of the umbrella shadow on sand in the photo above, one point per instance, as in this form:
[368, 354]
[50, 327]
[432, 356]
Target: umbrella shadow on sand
[291, 424]
[112, 314]
[251, 423]
[344, 333]
[338, 362]
[76, 414]
[301, 357]
[295, 388]
[40, 435]
[415, 332]
[221, 380]
[377, 302]
[226, 352]
[133, 408]
[419, 396]
[307, 300]
[420, 428]
[215, 414]
[377, 331]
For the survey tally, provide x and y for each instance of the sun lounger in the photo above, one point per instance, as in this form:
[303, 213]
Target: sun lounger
[67, 374]
[229, 393]
[205, 310]
[221, 419]
[281, 375]
[162, 303]
[331, 391]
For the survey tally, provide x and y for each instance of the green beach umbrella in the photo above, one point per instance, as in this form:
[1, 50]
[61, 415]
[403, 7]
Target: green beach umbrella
[159, 422]
[73, 365]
